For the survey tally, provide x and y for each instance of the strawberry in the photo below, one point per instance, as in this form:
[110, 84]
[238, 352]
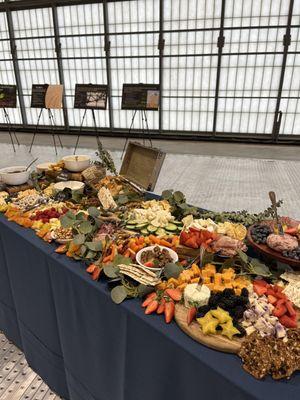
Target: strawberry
[278, 288]
[161, 307]
[151, 307]
[169, 311]
[260, 282]
[290, 309]
[272, 299]
[149, 298]
[279, 311]
[149, 264]
[291, 231]
[281, 295]
[260, 290]
[288, 322]
[192, 242]
[175, 294]
[280, 302]
[184, 236]
[191, 315]
[271, 292]
[191, 229]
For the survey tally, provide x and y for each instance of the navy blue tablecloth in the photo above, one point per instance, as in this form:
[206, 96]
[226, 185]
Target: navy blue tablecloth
[87, 348]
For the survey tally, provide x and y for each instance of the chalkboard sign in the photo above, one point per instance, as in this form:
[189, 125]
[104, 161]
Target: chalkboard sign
[38, 95]
[8, 96]
[140, 97]
[91, 96]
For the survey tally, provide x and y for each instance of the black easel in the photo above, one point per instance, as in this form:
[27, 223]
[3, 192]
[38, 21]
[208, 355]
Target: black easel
[12, 133]
[80, 129]
[145, 129]
[52, 123]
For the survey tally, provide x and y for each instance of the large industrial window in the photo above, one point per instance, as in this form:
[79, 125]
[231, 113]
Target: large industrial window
[226, 68]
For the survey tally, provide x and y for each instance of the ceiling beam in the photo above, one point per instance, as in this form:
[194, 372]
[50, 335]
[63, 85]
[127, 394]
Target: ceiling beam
[28, 4]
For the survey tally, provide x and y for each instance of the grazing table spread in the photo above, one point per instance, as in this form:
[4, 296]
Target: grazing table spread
[86, 347]
[105, 241]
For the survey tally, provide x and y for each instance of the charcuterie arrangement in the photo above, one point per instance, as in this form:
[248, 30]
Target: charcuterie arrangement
[230, 280]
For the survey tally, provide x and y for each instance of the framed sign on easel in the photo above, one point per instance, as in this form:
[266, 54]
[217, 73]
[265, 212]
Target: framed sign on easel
[140, 98]
[8, 99]
[47, 97]
[90, 97]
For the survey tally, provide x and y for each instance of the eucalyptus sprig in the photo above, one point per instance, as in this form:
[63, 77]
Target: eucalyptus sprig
[178, 204]
[243, 217]
[244, 265]
[84, 227]
[105, 159]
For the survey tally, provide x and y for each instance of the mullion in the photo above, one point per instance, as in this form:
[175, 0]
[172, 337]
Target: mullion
[264, 62]
[253, 76]
[273, 65]
[289, 91]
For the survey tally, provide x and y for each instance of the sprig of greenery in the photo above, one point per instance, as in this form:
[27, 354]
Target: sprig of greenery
[105, 158]
[178, 204]
[243, 217]
[84, 227]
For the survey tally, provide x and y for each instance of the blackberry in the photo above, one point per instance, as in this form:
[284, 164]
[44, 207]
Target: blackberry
[245, 292]
[237, 312]
[202, 311]
[228, 293]
[238, 326]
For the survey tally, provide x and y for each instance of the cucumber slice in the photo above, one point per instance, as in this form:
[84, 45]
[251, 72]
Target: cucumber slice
[141, 226]
[132, 222]
[171, 227]
[177, 222]
[144, 232]
[160, 232]
[130, 227]
[152, 228]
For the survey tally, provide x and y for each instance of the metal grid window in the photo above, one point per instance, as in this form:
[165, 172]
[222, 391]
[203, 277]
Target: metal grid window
[226, 68]
[81, 31]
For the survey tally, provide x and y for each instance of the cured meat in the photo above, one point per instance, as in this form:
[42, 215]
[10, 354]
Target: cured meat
[282, 243]
[227, 246]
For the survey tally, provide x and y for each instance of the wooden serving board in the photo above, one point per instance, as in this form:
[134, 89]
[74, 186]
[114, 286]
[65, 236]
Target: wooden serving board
[267, 251]
[216, 342]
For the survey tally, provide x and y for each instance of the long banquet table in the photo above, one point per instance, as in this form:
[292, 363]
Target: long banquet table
[87, 348]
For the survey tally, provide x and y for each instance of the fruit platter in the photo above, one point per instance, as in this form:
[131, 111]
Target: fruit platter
[191, 267]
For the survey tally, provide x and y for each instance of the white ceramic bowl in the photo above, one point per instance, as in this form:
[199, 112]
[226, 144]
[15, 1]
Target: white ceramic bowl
[73, 185]
[138, 257]
[76, 163]
[18, 178]
[43, 167]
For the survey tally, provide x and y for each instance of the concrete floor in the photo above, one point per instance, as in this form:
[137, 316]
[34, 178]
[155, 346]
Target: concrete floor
[221, 149]
[217, 176]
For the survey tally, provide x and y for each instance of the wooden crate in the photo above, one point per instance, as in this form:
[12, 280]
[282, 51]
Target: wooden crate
[142, 165]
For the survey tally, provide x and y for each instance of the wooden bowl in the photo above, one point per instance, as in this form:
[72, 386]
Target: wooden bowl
[267, 251]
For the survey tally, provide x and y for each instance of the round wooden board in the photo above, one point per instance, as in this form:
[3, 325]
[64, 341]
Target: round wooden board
[216, 342]
[264, 249]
